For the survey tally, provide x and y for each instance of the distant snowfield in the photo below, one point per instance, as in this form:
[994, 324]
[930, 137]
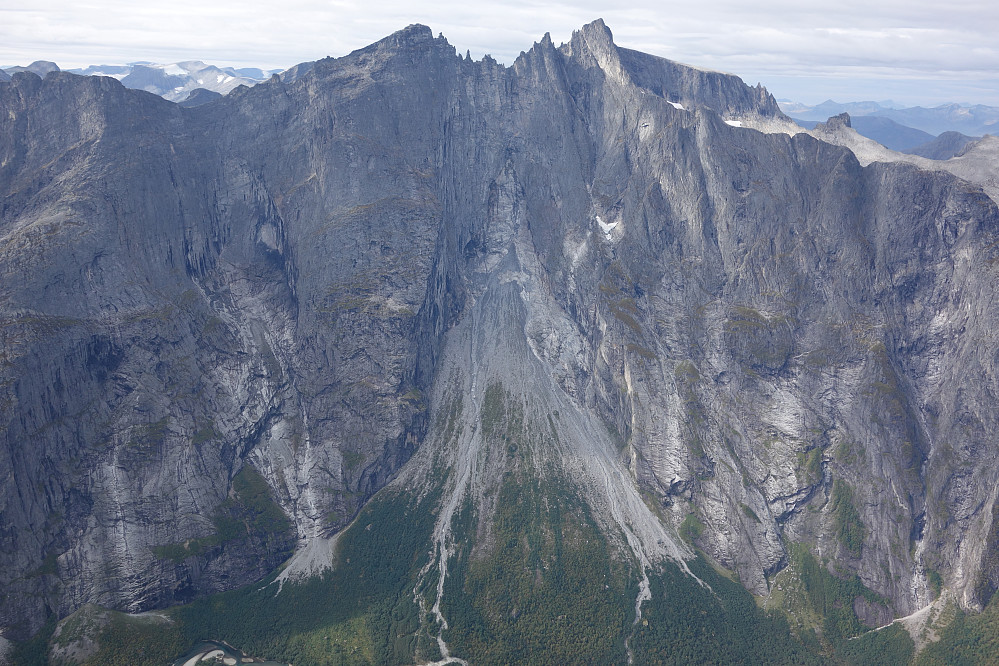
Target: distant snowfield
[173, 81]
[176, 81]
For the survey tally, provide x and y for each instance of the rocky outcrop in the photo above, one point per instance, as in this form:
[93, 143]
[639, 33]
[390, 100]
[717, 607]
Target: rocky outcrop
[198, 97]
[226, 327]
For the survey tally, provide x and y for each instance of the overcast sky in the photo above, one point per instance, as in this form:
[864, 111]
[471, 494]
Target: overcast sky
[911, 51]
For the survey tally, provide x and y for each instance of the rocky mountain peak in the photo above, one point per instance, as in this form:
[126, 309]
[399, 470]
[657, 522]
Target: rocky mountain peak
[39, 67]
[593, 44]
[596, 32]
[416, 33]
[837, 121]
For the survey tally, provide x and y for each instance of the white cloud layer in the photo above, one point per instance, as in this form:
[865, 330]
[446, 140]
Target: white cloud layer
[914, 51]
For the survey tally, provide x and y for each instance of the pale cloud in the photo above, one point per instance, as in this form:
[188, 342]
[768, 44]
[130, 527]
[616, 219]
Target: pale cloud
[915, 51]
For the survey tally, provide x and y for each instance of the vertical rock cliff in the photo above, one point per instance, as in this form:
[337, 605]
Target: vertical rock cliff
[226, 327]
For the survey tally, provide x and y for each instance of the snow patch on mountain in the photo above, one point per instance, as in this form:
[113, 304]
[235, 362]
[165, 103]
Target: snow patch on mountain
[176, 81]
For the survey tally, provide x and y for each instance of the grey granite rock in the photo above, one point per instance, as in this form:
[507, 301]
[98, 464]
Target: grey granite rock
[213, 314]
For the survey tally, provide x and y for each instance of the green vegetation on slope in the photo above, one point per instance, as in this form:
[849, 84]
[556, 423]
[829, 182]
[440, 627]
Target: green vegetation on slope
[547, 591]
[832, 598]
[362, 611]
[968, 640]
[128, 640]
[535, 580]
[33, 652]
[686, 623]
[248, 511]
[891, 646]
[821, 608]
[849, 527]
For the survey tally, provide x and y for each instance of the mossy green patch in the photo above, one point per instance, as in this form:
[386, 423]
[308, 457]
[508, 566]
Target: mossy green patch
[205, 433]
[643, 352]
[691, 528]
[760, 342]
[749, 512]
[351, 459]
[249, 510]
[48, 567]
[149, 435]
[935, 582]
[849, 527]
[988, 578]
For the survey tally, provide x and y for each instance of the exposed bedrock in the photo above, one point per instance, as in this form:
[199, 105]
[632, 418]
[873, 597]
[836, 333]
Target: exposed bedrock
[224, 327]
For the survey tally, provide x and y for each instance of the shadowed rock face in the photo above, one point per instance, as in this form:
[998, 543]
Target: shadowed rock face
[213, 312]
[200, 96]
[945, 146]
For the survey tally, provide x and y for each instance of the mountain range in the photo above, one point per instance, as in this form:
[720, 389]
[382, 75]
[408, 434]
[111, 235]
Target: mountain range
[972, 120]
[403, 357]
[912, 129]
[174, 81]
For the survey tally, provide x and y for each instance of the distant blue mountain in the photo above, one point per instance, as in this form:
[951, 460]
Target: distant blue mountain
[885, 131]
[969, 120]
[944, 147]
[174, 81]
[39, 67]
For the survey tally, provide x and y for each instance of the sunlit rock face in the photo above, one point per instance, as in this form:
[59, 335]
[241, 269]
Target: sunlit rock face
[225, 327]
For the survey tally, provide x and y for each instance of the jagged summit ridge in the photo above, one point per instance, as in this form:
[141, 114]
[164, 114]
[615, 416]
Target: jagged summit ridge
[179, 80]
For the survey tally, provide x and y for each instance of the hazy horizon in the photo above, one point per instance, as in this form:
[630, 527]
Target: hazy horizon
[916, 54]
